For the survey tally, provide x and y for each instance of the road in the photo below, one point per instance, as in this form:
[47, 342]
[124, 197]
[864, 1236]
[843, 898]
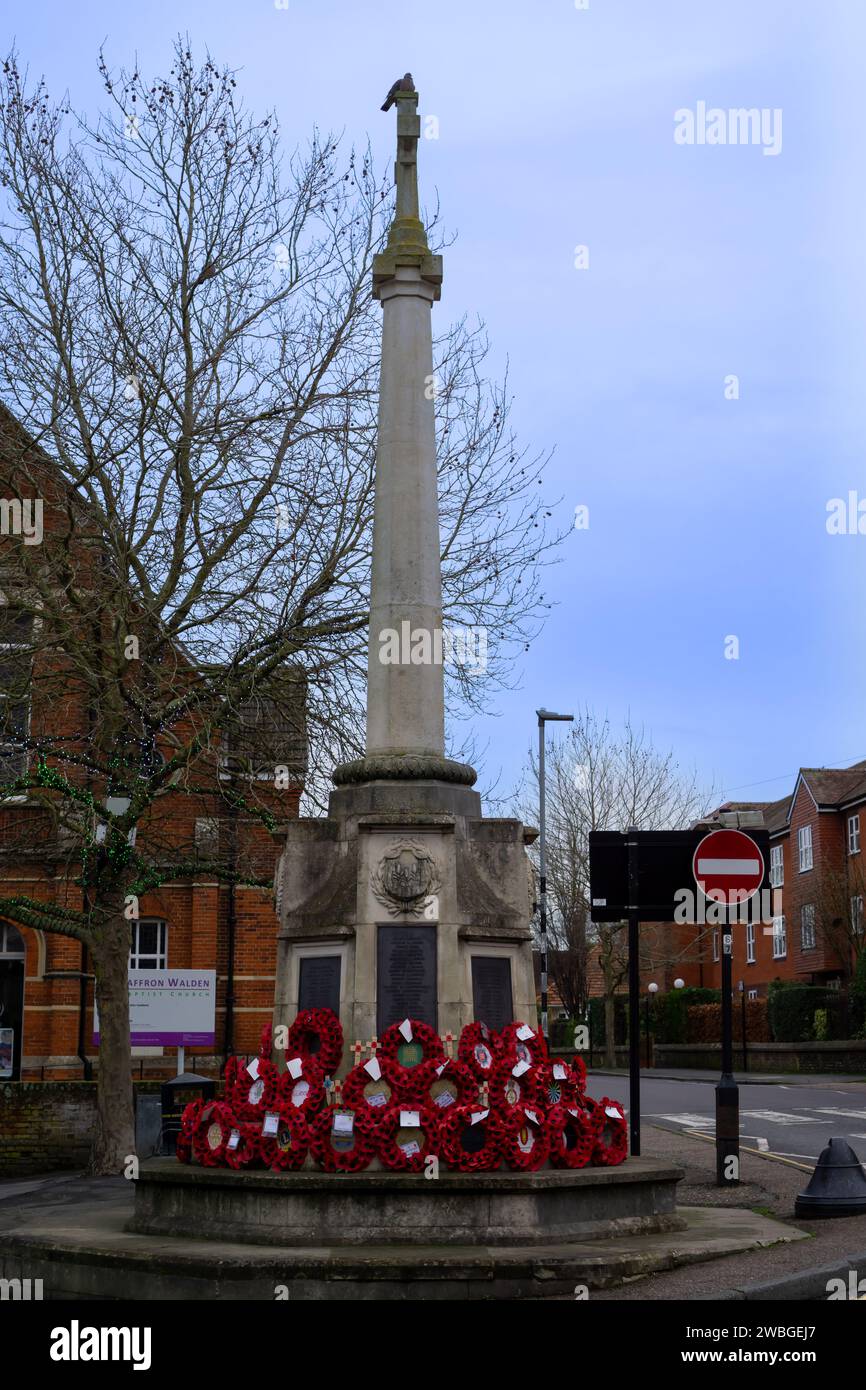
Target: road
[793, 1121]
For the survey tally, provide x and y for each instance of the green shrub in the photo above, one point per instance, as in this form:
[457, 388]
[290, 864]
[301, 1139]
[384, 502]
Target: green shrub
[820, 1026]
[858, 998]
[792, 1010]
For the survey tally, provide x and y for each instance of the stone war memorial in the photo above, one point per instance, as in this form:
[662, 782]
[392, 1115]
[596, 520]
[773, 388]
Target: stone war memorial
[404, 1132]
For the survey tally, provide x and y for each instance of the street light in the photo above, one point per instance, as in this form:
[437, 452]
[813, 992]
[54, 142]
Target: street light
[544, 716]
[651, 989]
[678, 984]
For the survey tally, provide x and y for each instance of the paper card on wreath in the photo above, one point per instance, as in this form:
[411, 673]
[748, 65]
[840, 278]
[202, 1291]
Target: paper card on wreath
[411, 1119]
[295, 1067]
[271, 1123]
[524, 1032]
[253, 1068]
[406, 1029]
[373, 1068]
[519, 1068]
[479, 1116]
[559, 1072]
[344, 1124]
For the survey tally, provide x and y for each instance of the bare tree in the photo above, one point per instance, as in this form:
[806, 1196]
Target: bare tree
[187, 334]
[598, 779]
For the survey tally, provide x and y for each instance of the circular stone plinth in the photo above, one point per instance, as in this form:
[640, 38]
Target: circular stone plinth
[311, 1208]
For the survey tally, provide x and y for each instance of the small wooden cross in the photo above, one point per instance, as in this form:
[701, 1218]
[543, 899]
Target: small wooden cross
[358, 1049]
[483, 1094]
[336, 1093]
[448, 1039]
[373, 1046]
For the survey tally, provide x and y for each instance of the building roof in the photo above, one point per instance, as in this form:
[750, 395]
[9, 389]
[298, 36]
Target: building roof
[833, 786]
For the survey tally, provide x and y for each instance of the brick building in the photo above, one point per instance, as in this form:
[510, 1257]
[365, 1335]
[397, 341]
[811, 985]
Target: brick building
[816, 871]
[46, 980]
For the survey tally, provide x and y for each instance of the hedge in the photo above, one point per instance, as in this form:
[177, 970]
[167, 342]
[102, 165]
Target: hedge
[704, 1023]
[670, 1011]
[792, 1009]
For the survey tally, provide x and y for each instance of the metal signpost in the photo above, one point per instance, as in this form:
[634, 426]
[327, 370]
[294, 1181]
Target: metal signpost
[642, 875]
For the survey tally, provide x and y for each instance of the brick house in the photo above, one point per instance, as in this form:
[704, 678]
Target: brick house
[816, 871]
[46, 986]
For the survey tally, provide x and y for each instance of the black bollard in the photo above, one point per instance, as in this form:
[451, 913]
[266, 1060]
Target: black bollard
[838, 1185]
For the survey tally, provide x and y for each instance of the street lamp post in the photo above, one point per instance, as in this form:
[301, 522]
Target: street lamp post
[727, 1090]
[651, 989]
[544, 716]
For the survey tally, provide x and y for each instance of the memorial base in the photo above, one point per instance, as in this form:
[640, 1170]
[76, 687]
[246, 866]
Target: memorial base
[312, 1209]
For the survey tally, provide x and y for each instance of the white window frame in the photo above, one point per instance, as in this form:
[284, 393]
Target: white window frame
[160, 956]
[804, 847]
[750, 943]
[857, 914]
[780, 938]
[777, 866]
[854, 833]
[752, 994]
[808, 935]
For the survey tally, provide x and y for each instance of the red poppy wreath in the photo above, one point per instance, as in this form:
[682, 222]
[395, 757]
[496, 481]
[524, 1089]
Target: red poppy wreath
[572, 1136]
[479, 1049]
[242, 1148]
[406, 1135]
[408, 1044]
[317, 1033]
[343, 1140]
[372, 1086]
[213, 1130]
[525, 1138]
[557, 1084]
[302, 1085]
[285, 1138]
[253, 1087]
[611, 1132]
[470, 1138]
[443, 1083]
[512, 1083]
[524, 1043]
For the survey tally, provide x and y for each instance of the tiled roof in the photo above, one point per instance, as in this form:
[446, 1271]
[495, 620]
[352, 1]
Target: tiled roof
[831, 786]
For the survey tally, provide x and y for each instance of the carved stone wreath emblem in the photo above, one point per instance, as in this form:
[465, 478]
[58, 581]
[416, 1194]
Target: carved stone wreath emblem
[404, 878]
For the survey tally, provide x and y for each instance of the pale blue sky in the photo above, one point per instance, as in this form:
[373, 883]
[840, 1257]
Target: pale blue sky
[707, 516]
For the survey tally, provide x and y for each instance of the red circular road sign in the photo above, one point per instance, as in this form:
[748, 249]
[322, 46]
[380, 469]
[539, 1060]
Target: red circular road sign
[728, 866]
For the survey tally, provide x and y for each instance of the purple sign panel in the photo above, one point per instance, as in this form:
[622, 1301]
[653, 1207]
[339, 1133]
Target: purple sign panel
[170, 1008]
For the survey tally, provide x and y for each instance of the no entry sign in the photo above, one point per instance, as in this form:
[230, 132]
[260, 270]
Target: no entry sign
[728, 866]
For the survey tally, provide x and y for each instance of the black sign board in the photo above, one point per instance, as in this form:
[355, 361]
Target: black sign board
[406, 972]
[492, 1001]
[319, 983]
[664, 868]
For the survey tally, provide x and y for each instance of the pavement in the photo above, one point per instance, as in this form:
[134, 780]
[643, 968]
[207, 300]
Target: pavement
[769, 1186]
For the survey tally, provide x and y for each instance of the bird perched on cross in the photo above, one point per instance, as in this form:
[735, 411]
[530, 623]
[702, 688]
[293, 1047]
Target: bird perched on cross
[403, 84]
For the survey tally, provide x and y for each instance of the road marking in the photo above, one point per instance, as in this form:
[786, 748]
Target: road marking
[780, 1117]
[856, 1114]
[688, 1120]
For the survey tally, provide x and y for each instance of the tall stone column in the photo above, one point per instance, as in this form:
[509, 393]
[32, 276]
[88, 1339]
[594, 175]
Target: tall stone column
[405, 901]
[405, 698]
[405, 660]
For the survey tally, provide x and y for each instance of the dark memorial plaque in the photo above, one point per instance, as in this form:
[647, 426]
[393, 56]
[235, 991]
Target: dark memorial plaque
[406, 976]
[319, 983]
[492, 1001]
